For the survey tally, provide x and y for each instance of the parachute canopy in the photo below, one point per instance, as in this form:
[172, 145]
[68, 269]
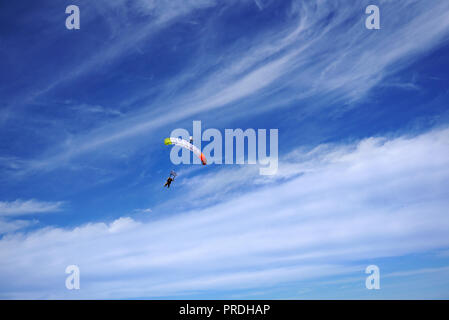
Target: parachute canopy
[187, 145]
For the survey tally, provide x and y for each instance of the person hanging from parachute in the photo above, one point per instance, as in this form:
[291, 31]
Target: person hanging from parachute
[187, 145]
[170, 179]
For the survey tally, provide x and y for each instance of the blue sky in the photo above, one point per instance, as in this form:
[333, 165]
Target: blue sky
[363, 149]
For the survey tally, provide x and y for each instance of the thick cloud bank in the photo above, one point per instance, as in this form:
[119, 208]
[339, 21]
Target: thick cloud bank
[334, 207]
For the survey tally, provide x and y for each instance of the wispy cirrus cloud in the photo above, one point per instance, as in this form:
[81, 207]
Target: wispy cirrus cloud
[321, 50]
[126, 40]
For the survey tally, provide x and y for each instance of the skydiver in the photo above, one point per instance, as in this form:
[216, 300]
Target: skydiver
[169, 181]
[170, 178]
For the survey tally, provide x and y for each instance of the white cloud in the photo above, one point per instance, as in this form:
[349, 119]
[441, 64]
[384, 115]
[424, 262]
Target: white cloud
[122, 224]
[380, 197]
[25, 207]
[415, 272]
[15, 225]
[147, 210]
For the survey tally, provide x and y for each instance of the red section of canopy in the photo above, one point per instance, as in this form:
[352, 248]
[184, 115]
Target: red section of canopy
[203, 159]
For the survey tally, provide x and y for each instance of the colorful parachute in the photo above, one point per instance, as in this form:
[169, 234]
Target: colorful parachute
[187, 145]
